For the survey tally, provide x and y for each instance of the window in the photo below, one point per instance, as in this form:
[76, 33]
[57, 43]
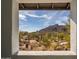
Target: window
[28, 17]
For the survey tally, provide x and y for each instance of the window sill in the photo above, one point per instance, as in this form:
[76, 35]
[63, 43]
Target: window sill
[46, 53]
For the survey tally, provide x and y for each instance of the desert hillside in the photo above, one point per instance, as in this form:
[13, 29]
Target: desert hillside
[52, 38]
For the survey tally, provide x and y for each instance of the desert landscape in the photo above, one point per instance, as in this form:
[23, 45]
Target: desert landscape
[44, 30]
[52, 38]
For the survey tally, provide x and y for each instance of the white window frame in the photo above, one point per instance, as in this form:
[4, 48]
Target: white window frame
[15, 28]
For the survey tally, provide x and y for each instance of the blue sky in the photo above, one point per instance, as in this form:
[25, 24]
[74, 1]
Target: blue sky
[34, 20]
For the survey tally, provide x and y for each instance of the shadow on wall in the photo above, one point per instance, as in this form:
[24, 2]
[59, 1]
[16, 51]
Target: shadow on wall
[44, 57]
[74, 11]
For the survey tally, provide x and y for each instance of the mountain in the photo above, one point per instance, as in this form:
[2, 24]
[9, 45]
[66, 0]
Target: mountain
[54, 28]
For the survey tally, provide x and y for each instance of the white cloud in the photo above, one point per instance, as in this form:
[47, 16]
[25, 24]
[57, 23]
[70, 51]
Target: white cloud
[42, 16]
[22, 17]
[33, 14]
[46, 16]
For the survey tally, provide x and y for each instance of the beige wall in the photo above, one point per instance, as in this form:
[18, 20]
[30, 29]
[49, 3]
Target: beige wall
[43, 1]
[15, 27]
[74, 25]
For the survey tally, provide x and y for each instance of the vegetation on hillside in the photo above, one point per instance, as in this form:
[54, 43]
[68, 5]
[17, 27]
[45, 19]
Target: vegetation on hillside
[45, 40]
